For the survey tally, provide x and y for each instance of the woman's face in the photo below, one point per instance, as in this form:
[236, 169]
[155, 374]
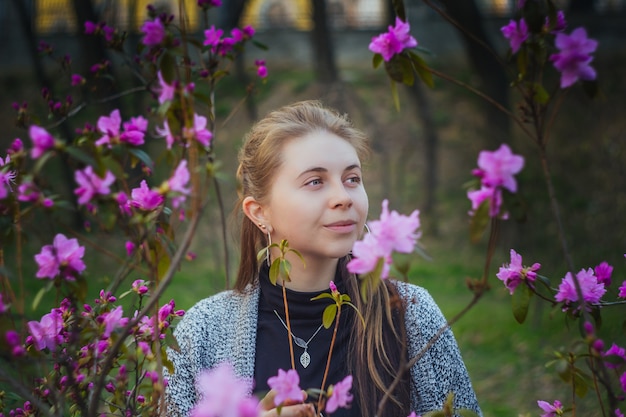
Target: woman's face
[317, 200]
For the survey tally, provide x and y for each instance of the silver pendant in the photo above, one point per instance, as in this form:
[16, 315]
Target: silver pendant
[305, 359]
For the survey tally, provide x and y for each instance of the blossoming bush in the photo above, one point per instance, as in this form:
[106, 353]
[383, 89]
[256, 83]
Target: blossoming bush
[539, 41]
[104, 356]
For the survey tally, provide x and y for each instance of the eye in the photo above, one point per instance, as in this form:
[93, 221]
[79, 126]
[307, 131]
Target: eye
[354, 179]
[314, 182]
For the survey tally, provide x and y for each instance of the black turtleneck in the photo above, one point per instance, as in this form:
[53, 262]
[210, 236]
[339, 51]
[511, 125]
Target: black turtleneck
[272, 343]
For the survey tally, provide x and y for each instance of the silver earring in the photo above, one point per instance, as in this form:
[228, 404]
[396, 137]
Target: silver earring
[367, 228]
[269, 239]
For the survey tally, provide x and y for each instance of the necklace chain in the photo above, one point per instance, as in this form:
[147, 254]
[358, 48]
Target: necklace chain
[305, 358]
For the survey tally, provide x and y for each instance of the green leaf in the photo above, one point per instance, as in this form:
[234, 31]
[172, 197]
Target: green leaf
[479, 221]
[80, 155]
[168, 67]
[398, 7]
[394, 95]
[163, 265]
[377, 59]
[408, 77]
[142, 156]
[520, 301]
[580, 385]
[422, 69]
[522, 62]
[345, 298]
[171, 341]
[41, 162]
[464, 412]
[330, 312]
[274, 270]
[167, 362]
[260, 45]
[541, 96]
[394, 69]
[322, 295]
[285, 270]
[41, 293]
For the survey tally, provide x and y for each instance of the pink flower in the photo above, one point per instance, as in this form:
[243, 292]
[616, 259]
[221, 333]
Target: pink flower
[199, 130]
[559, 25]
[496, 168]
[130, 247]
[261, 69]
[622, 290]
[77, 79]
[178, 183]
[212, 37]
[134, 131]
[286, 385]
[592, 290]
[413, 414]
[64, 255]
[552, 410]
[3, 307]
[144, 198]
[513, 274]
[154, 32]
[46, 332]
[112, 320]
[109, 127]
[333, 288]
[493, 195]
[165, 90]
[42, 141]
[6, 177]
[90, 184]
[574, 57]
[366, 255]
[618, 413]
[167, 134]
[224, 394]
[209, 3]
[393, 232]
[615, 350]
[516, 33]
[622, 380]
[90, 27]
[603, 272]
[394, 41]
[340, 395]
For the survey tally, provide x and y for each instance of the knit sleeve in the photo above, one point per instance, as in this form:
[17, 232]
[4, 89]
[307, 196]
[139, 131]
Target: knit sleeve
[441, 369]
[180, 391]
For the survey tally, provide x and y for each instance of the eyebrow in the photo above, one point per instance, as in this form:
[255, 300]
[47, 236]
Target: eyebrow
[322, 169]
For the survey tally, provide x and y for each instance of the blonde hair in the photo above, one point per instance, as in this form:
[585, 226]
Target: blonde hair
[376, 352]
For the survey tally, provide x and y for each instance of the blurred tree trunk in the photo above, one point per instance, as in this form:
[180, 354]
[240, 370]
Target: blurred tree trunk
[492, 77]
[229, 18]
[323, 50]
[26, 22]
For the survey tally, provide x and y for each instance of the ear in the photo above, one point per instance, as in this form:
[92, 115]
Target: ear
[256, 213]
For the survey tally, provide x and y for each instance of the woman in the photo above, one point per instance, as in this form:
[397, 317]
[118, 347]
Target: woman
[300, 175]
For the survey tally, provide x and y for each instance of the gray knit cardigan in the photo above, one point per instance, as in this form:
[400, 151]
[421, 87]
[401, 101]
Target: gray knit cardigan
[222, 328]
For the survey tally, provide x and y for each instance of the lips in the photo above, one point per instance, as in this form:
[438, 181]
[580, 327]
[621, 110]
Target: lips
[342, 226]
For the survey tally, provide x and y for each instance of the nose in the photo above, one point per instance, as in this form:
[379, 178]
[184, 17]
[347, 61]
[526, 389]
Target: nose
[340, 197]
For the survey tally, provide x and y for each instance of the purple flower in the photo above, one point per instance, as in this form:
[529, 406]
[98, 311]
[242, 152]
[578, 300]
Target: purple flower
[90, 27]
[394, 41]
[130, 247]
[286, 385]
[64, 255]
[42, 141]
[199, 130]
[618, 413]
[340, 395]
[90, 184]
[178, 182]
[622, 381]
[574, 57]
[413, 414]
[154, 32]
[77, 79]
[46, 332]
[493, 195]
[261, 69]
[592, 290]
[134, 131]
[496, 168]
[559, 25]
[109, 126]
[615, 350]
[551, 410]
[603, 272]
[622, 290]
[112, 320]
[166, 133]
[213, 37]
[6, 178]
[393, 232]
[223, 393]
[209, 3]
[165, 90]
[144, 198]
[133, 134]
[516, 33]
[513, 274]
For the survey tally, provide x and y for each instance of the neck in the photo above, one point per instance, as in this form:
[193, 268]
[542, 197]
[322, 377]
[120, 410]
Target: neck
[313, 275]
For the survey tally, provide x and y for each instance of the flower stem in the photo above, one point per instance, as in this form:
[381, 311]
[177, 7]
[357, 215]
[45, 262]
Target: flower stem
[291, 355]
[330, 354]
